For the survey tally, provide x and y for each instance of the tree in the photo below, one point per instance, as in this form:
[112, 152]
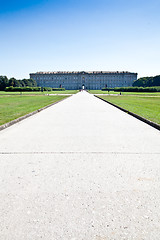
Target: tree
[29, 83]
[12, 82]
[147, 82]
[3, 83]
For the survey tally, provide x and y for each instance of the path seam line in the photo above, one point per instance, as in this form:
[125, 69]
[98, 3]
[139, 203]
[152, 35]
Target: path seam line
[34, 153]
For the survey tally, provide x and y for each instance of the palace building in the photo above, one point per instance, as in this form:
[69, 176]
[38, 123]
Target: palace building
[85, 80]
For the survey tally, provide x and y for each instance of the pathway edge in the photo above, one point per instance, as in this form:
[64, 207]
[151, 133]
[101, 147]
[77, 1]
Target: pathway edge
[6, 125]
[153, 124]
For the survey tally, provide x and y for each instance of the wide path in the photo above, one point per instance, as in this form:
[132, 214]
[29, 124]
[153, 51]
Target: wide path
[80, 170]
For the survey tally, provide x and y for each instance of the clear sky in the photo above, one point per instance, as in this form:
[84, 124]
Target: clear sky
[75, 35]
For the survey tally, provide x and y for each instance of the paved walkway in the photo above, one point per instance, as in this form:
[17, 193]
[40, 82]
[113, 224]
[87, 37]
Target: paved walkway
[80, 169]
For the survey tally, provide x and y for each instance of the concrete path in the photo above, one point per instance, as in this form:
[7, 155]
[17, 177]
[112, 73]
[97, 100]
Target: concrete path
[80, 169]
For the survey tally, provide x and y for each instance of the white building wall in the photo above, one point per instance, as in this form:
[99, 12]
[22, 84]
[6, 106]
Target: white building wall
[90, 80]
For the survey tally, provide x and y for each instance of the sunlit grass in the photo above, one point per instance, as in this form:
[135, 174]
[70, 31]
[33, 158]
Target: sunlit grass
[39, 93]
[145, 106]
[124, 93]
[12, 107]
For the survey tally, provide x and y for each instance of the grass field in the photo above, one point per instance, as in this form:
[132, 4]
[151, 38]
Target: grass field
[39, 93]
[12, 107]
[145, 106]
[125, 93]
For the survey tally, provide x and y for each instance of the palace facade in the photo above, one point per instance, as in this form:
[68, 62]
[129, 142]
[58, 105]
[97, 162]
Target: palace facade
[87, 80]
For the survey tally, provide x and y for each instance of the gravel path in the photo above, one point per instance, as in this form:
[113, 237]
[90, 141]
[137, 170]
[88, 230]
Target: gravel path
[80, 170]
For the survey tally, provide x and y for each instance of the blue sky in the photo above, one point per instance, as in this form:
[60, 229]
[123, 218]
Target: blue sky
[71, 35]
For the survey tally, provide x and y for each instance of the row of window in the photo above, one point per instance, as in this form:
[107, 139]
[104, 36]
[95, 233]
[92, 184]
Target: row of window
[88, 82]
[88, 78]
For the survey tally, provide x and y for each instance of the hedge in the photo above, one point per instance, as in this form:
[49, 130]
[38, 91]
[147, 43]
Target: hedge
[46, 89]
[133, 89]
[107, 89]
[22, 89]
[137, 89]
[58, 89]
[32, 89]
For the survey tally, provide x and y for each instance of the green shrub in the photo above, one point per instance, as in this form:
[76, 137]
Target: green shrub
[137, 89]
[47, 89]
[22, 89]
[58, 89]
[107, 89]
[36, 89]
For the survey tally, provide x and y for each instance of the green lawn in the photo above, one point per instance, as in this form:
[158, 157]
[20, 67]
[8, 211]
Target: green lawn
[145, 106]
[125, 93]
[100, 92]
[39, 93]
[13, 106]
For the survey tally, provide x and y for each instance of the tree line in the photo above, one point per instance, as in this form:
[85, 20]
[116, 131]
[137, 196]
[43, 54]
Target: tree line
[147, 82]
[12, 82]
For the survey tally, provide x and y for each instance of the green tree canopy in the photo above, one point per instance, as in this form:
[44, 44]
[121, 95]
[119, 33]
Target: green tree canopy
[3, 83]
[147, 82]
[12, 82]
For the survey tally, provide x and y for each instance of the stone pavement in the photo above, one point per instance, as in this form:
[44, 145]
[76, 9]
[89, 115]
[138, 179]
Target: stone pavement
[80, 169]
